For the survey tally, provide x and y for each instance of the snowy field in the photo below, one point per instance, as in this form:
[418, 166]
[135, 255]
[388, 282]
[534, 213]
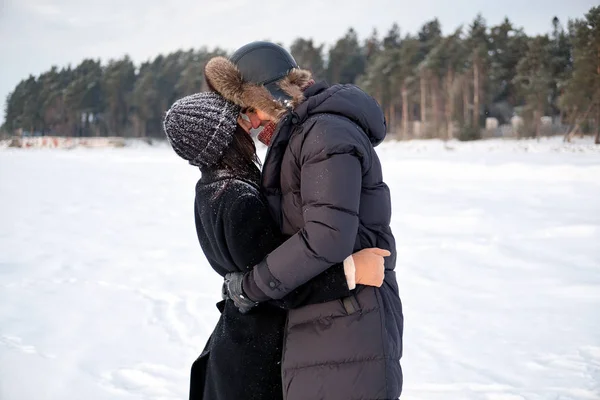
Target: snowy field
[105, 294]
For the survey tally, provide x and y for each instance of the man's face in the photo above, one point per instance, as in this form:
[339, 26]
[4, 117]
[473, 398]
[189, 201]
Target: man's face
[253, 119]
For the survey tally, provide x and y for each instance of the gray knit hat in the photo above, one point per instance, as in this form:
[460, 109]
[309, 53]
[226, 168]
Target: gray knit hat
[200, 127]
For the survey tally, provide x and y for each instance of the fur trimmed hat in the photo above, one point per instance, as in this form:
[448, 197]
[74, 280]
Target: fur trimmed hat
[260, 75]
[201, 127]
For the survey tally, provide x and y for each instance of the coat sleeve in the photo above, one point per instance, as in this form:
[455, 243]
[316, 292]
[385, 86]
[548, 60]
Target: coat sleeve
[251, 233]
[331, 163]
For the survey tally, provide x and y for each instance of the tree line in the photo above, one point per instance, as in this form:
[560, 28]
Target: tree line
[447, 85]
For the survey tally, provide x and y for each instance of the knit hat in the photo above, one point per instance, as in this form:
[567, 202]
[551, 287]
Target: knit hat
[200, 127]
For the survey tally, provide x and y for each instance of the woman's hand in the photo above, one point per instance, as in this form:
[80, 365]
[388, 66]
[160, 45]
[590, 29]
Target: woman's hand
[233, 290]
[366, 267]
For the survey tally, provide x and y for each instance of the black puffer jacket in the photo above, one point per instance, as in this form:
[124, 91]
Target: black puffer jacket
[324, 185]
[242, 359]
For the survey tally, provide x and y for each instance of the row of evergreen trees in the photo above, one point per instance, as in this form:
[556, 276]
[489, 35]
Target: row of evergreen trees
[444, 82]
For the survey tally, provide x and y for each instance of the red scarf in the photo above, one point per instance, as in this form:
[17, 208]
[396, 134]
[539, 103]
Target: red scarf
[266, 134]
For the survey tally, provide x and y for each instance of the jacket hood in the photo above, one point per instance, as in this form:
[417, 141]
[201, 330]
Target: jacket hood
[348, 101]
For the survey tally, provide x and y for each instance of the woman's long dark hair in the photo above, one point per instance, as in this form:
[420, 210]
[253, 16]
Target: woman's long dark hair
[240, 158]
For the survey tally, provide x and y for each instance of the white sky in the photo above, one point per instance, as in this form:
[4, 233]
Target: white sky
[36, 34]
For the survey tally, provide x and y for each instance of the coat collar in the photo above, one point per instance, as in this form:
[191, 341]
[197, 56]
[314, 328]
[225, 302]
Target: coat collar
[211, 176]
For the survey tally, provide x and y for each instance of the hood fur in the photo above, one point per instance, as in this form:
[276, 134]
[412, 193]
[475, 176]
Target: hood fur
[223, 77]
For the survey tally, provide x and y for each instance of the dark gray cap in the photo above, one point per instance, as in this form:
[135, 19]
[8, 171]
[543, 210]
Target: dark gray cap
[264, 63]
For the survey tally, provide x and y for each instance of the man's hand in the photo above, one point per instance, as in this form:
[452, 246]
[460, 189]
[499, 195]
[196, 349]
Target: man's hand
[370, 268]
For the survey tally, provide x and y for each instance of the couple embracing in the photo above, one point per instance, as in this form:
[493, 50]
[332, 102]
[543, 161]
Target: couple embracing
[310, 305]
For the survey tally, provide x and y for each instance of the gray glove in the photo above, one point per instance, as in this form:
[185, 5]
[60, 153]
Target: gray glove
[233, 286]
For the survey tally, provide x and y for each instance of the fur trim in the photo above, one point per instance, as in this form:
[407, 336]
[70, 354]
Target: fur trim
[294, 83]
[223, 77]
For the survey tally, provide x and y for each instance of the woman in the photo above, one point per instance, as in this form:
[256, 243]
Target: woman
[242, 358]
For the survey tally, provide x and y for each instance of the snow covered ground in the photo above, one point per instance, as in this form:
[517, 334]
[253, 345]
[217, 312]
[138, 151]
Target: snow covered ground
[105, 294]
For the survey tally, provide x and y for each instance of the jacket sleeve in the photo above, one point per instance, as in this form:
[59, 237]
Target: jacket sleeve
[327, 286]
[251, 233]
[331, 163]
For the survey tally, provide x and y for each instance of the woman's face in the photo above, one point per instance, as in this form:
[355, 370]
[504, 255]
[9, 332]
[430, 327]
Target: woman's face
[253, 119]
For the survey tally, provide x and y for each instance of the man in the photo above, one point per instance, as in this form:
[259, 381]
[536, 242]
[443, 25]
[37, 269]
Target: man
[324, 185]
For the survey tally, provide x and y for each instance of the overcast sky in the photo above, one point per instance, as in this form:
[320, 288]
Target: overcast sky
[36, 34]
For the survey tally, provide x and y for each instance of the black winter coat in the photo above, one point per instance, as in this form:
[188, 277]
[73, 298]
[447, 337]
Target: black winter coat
[324, 184]
[242, 359]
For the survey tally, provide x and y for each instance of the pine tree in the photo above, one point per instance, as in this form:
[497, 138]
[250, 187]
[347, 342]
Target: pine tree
[581, 97]
[508, 45]
[346, 59]
[454, 64]
[83, 98]
[405, 78]
[561, 62]
[308, 56]
[478, 42]
[534, 80]
[118, 81]
[145, 100]
[429, 36]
